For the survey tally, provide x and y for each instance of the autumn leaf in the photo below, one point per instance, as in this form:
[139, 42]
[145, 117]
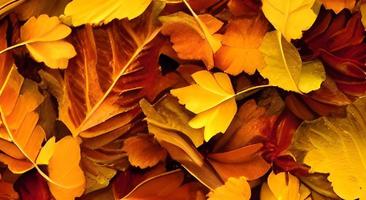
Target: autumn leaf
[234, 188]
[115, 79]
[284, 68]
[336, 146]
[241, 42]
[284, 186]
[290, 17]
[43, 37]
[217, 111]
[143, 151]
[32, 8]
[79, 12]
[339, 5]
[67, 150]
[202, 44]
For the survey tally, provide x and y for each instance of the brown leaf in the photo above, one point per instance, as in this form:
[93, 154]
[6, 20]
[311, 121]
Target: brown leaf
[143, 151]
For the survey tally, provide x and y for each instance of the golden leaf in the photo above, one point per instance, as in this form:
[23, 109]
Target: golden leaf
[32, 8]
[64, 169]
[201, 44]
[234, 188]
[339, 5]
[241, 42]
[143, 151]
[97, 12]
[217, 110]
[43, 37]
[290, 17]
[336, 146]
[284, 186]
[104, 84]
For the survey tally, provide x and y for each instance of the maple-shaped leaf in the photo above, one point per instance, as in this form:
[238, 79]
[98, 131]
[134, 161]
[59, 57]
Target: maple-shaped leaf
[79, 12]
[43, 36]
[240, 46]
[202, 43]
[217, 111]
[234, 188]
[336, 146]
[284, 186]
[67, 150]
[103, 84]
[284, 68]
[290, 17]
[143, 151]
[338, 5]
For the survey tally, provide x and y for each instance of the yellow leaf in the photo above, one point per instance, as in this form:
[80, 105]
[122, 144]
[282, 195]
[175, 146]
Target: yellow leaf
[290, 17]
[143, 151]
[64, 169]
[284, 68]
[32, 8]
[241, 42]
[234, 188]
[201, 44]
[337, 146]
[98, 12]
[46, 152]
[338, 5]
[43, 37]
[283, 186]
[212, 102]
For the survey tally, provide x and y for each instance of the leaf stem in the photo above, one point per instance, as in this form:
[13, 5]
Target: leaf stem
[13, 47]
[244, 93]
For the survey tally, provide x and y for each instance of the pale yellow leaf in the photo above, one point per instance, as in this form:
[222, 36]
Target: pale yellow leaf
[212, 102]
[290, 17]
[234, 188]
[336, 146]
[43, 37]
[64, 169]
[96, 12]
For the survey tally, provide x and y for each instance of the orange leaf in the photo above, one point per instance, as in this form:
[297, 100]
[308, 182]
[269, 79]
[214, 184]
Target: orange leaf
[180, 26]
[338, 5]
[241, 42]
[143, 151]
[234, 188]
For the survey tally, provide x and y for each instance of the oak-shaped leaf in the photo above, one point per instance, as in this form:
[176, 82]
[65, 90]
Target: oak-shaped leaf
[290, 17]
[240, 46]
[79, 12]
[44, 38]
[284, 68]
[336, 146]
[103, 84]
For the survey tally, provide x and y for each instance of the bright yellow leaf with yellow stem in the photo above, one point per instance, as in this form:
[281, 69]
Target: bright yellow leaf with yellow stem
[234, 188]
[290, 17]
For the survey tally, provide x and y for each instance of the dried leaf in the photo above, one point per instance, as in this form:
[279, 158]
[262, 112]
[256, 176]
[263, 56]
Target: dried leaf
[217, 111]
[234, 188]
[79, 12]
[290, 17]
[143, 151]
[67, 150]
[43, 37]
[284, 186]
[284, 68]
[335, 146]
[241, 42]
[180, 25]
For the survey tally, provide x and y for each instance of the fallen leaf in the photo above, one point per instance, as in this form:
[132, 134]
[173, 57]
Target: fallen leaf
[32, 8]
[32, 185]
[43, 37]
[284, 68]
[97, 12]
[217, 111]
[284, 186]
[67, 150]
[338, 5]
[143, 151]
[234, 188]
[244, 7]
[7, 191]
[180, 26]
[290, 17]
[335, 146]
[240, 46]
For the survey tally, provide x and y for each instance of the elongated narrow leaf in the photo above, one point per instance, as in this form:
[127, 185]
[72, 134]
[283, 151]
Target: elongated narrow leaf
[105, 81]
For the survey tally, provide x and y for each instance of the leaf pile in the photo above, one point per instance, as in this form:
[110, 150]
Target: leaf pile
[182, 99]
